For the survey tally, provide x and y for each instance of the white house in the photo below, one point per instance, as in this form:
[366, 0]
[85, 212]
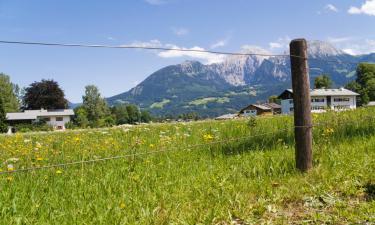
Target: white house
[55, 118]
[322, 99]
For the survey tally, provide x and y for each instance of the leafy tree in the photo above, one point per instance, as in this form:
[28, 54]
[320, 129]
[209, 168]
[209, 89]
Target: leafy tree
[133, 113]
[45, 94]
[8, 95]
[95, 106]
[146, 117]
[323, 81]
[81, 117]
[3, 124]
[120, 113]
[274, 99]
[365, 83]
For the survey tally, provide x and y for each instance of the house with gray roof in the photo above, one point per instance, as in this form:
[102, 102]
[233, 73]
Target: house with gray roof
[322, 100]
[260, 109]
[55, 118]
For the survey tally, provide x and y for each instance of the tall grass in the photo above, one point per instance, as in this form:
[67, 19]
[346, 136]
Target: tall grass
[210, 173]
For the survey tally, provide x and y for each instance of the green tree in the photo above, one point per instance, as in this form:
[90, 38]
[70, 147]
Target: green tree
[146, 117]
[3, 124]
[45, 94]
[274, 99]
[323, 81]
[81, 117]
[120, 114]
[8, 95]
[95, 106]
[133, 113]
[365, 83]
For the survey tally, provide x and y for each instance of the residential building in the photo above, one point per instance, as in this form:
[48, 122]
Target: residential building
[260, 109]
[322, 100]
[227, 117]
[55, 118]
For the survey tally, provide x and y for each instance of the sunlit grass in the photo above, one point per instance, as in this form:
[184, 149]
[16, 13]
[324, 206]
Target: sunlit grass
[211, 172]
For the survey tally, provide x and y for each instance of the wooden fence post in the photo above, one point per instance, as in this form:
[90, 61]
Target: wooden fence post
[302, 104]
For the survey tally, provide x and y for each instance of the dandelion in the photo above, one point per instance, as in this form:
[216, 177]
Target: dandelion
[10, 167]
[151, 145]
[122, 205]
[77, 139]
[39, 159]
[9, 179]
[59, 172]
[208, 137]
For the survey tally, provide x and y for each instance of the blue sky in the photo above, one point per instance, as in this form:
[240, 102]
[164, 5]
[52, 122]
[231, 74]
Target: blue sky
[223, 25]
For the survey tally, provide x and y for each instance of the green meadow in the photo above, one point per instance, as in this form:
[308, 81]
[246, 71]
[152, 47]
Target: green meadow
[206, 172]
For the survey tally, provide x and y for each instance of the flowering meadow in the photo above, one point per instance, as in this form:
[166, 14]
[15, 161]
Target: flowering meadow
[206, 172]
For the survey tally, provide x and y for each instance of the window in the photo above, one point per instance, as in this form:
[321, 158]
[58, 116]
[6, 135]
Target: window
[59, 119]
[291, 109]
[317, 100]
[47, 119]
[341, 99]
[341, 107]
[291, 101]
[317, 108]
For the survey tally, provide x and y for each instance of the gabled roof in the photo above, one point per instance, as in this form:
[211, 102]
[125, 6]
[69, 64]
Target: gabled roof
[34, 114]
[328, 92]
[272, 105]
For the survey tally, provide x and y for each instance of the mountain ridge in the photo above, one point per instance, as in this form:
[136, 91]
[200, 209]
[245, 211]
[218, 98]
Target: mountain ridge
[239, 80]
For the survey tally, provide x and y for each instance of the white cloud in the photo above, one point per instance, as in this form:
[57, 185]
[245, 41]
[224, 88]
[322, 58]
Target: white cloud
[354, 45]
[181, 31]
[331, 8]
[149, 44]
[220, 43]
[253, 49]
[281, 43]
[206, 57]
[156, 2]
[367, 8]
[335, 40]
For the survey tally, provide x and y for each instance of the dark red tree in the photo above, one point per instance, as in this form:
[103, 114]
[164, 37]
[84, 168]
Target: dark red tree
[45, 94]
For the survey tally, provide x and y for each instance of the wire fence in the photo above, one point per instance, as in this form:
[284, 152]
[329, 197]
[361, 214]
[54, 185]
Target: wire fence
[341, 123]
[170, 149]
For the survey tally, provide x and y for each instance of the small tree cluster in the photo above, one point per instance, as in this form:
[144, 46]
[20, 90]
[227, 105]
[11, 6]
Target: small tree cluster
[365, 83]
[95, 112]
[3, 125]
[323, 81]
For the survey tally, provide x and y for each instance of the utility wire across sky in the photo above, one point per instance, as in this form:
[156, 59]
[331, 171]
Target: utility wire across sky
[169, 49]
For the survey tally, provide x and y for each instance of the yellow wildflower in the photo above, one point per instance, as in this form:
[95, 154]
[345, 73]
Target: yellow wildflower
[39, 159]
[9, 179]
[152, 145]
[58, 171]
[208, 137]
[122, 205]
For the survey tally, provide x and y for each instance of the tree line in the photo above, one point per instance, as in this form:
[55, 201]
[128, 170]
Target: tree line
[47, 94]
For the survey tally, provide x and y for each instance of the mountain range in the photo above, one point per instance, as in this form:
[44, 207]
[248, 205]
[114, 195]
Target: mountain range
[219, 88]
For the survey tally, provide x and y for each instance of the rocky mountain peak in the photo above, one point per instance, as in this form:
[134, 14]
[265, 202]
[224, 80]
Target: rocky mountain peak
[318, 49]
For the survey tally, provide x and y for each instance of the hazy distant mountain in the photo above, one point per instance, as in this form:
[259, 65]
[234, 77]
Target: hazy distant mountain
[225, 87]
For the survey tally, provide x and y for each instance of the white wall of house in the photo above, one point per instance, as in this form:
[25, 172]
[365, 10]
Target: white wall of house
[287, 106]
[339, 103]
[57, 122]
[319, 104]
[250, 112]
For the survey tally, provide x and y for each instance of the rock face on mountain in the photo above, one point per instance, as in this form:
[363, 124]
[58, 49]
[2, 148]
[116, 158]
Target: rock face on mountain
[239, 80]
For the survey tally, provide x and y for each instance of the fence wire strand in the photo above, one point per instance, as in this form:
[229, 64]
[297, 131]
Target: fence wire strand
[189, 147]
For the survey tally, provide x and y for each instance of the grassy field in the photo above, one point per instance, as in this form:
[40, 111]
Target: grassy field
[205, 172]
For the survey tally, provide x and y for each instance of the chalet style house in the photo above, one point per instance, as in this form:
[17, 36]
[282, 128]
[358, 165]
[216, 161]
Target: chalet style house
[322, 100]
[260, 109]
[55, 118]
